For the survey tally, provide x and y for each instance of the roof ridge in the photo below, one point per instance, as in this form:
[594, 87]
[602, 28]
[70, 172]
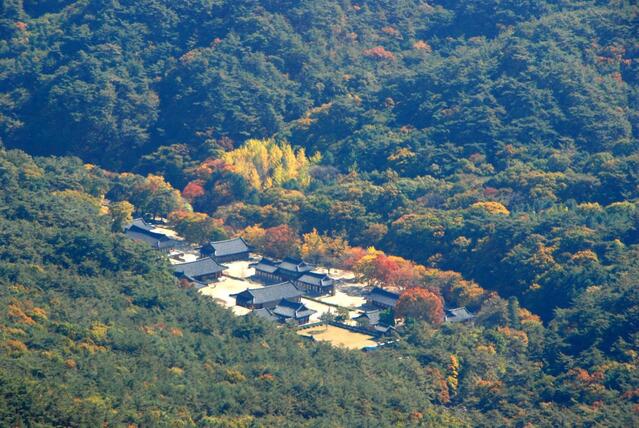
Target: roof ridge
[195, 261]
[227, 240]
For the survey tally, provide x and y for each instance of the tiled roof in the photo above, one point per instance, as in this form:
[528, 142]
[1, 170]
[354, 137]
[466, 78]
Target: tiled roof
[458, 315]
[139, 223]
[291, 309]
[372, 316]
[156, 240]
[229, 247]
[316, 278]
[266, 265]
[383, 328]
[264, 313]
[272, 293]
[201, 267]
[384, 297]
[295, 265]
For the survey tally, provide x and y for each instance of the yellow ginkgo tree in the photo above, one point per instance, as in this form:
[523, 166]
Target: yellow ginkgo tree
[268, 163]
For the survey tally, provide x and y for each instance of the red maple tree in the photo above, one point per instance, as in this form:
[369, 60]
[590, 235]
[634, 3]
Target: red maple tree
[193, 190]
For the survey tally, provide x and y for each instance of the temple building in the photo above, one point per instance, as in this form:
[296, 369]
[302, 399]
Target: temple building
[226, 251]
[298, 272]
[286, 311]
[458, 315]
[314, 283]
[371, 320]
[291, 268]
[200, 272]
[140, 231]
[267, 297]
[266, 270]
[382, 299]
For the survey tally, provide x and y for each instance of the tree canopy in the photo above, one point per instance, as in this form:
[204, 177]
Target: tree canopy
[464, 153]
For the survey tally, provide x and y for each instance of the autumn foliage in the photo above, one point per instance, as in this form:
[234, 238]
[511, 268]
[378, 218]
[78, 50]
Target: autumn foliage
[193, 190]
[377, 268]
[491, 207]
[279, 241]
[379, 52]
[322, 249]
[454, 288]
[420, 303]
[267, 163]
[422, 46]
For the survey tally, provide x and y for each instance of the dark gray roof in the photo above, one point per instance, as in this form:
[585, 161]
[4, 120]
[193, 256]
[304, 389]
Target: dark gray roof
[383, 328]
[156, 240]
[382, 296]
[316, 278]
[372, 316]
[291, 309]
[198, 268]
[266, 265]
[140, 230]
[264, 314]
[139, 223]
[229, 247]
[271, 293]
[295, 265]
[142, 237]
[458, 314]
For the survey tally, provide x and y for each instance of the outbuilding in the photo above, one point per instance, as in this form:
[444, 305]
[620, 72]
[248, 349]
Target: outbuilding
[200, 271]
[381, 298]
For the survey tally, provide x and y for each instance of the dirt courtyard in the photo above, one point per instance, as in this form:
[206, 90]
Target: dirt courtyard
[339, 337]
[239, 269]
[221, 290]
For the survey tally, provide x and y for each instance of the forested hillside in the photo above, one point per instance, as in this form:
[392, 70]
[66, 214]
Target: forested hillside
[431, 108]
[363, 81]
[94, 330]
[488, 150]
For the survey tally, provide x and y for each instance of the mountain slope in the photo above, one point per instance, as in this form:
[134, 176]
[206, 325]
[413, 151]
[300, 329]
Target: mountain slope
[94, 329]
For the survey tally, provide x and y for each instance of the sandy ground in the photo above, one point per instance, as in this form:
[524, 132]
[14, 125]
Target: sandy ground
[346, 275]
[167, 232]
[339, 337]
[240, 310]
[321, 309]
[345, 300]
[178, 257]
[348, 295]
[221, 290]
[239, 269]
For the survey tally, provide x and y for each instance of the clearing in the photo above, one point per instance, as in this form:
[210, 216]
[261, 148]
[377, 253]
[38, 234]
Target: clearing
[220, 291]
[337, 336]
[239, 269]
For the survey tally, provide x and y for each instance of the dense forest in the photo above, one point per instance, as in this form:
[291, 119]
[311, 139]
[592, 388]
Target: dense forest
[485, 151]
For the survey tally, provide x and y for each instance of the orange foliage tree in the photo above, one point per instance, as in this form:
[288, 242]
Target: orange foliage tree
[456, 290]
[491, 207]
[420, 303]
[193, 190]
[379, 52]
[380, 269]
[279, 241]
[351, 256]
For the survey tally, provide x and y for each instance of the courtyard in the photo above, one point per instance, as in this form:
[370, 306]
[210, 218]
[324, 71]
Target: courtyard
[339, 337]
